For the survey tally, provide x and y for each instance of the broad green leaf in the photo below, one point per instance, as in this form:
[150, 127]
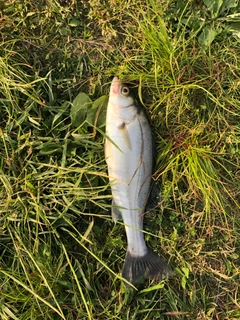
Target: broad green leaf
[183, 282]
[214, 7]
[65, 31]
[235, 28]
[101, 105]
[98, 102]
[74, 23]
[185, 271]
[79, 110]
[228, 4]
[207, 36]
[97, 114]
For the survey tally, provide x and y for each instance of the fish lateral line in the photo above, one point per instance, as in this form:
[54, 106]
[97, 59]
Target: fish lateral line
[150, 177]
[136, 170]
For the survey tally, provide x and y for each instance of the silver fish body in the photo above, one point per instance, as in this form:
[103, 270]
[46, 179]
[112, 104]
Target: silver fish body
[128, 152]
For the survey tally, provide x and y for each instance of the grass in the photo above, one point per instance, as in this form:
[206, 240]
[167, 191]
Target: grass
[60, 254]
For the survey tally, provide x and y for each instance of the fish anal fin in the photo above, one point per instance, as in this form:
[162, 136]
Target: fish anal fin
[116, 213]
[149, 266]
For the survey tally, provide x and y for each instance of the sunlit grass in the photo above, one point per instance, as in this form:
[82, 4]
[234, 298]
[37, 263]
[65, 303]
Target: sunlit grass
[60, 255]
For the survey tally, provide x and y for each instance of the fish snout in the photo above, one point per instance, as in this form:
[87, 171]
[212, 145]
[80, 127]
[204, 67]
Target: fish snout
[115, 85]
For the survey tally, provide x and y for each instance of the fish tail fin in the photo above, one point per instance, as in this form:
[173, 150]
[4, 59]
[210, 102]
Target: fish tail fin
[149, 266]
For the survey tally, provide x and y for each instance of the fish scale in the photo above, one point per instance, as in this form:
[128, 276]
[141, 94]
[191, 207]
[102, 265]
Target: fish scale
[128, 152]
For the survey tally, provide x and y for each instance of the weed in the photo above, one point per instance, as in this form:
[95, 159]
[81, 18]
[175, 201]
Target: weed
[60, 254]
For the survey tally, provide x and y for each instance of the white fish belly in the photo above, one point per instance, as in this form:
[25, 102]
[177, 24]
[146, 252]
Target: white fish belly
[130, 169]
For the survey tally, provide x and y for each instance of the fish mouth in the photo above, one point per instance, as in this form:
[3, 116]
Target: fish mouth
[115, 85]
[115, 79]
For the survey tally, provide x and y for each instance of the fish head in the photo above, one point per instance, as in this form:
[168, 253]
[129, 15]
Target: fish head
[121, 100]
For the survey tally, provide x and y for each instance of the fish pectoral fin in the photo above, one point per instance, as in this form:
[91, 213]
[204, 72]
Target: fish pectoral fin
[116, 213]
[149, 266]
[125, 135]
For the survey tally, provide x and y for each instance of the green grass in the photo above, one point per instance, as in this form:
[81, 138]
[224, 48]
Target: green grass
[60, 253]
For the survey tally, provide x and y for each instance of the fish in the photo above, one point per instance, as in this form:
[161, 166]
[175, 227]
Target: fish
[128, 154]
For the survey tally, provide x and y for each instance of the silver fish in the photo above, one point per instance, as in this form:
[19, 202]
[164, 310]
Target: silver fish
[128, 152]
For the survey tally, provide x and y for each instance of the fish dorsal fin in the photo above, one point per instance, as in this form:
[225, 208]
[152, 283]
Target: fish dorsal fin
[116, 213]
[153, 197]
[125, 135]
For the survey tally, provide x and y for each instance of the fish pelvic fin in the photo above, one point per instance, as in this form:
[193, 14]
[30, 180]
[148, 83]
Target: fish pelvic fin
[149, 266]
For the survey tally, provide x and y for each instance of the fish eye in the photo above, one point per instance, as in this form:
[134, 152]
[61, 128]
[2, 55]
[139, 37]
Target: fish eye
[125, 91]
